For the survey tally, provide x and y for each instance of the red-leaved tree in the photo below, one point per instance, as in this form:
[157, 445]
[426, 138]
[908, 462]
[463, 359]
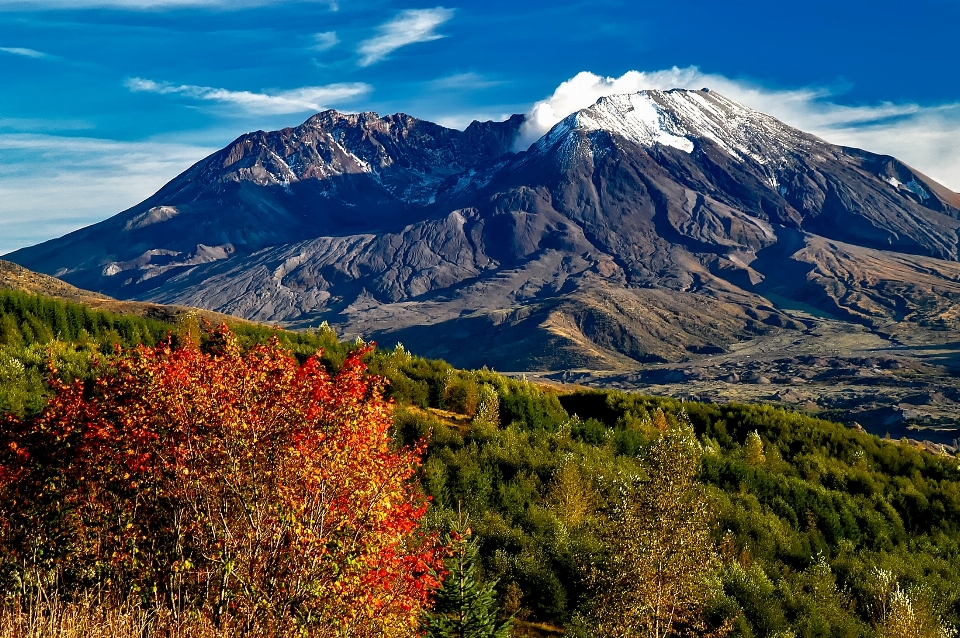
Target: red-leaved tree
[241, 485]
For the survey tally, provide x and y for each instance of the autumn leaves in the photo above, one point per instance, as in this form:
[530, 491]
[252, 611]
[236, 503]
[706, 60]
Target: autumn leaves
[241, 486]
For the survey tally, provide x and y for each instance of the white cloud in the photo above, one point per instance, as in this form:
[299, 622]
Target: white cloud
[27, 53]
[325, 40]
[409, 27]
[308, 98]
[51, 185]
[926, 137]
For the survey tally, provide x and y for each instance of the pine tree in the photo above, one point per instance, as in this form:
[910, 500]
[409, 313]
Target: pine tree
[466, 607]
[9, 333]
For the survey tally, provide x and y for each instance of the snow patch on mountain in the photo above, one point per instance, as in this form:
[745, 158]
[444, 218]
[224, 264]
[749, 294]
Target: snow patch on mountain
[913, 186]
[637, 117]
[681, 119]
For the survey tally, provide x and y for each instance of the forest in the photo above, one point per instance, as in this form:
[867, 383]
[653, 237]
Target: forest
[183, 476]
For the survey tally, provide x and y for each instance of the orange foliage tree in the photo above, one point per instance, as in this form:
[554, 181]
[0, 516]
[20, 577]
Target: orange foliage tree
[241, 485]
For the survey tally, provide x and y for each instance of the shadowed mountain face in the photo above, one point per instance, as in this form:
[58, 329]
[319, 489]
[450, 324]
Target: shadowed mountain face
[648, 227]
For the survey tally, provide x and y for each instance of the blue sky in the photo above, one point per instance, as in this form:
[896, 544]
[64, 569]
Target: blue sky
[103, 101]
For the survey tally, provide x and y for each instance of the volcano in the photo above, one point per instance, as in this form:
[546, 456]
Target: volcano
[649, 227]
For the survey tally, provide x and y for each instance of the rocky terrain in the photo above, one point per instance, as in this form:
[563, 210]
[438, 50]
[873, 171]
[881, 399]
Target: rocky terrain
[897, 386]
[673, 240]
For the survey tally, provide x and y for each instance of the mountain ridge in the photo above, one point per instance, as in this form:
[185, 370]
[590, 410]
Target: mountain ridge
[647, 227]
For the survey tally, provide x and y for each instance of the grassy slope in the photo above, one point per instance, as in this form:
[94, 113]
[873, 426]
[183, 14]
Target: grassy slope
[18, 278]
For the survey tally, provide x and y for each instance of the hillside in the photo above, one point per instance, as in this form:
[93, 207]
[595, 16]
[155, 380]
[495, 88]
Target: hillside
[38, 331]
[810, 518]
[18, 278]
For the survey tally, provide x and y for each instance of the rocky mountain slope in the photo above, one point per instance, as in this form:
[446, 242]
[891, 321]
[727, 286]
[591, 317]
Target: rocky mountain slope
[654, 227]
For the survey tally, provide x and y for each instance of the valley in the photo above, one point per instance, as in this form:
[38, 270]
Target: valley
[903, 385]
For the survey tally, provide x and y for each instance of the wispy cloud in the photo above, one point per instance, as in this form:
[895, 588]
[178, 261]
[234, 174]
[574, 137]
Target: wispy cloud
[51, 185]
[409, 27]
[926, 137]
[464, 81]
[307, 98]
[25, 124]
[27, 53]
[325, 40]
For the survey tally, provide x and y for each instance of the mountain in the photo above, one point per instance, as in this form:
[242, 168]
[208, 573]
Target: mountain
[659, 226]
[335, 174]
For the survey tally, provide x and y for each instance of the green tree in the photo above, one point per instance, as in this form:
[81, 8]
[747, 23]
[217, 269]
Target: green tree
[462, 394]
[466, 607]
[660, 557]
[9, 332]
[753, 450]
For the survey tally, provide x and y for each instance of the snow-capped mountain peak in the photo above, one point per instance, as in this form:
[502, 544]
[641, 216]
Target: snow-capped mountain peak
[681, 118]
[637, 117]
[646, 226]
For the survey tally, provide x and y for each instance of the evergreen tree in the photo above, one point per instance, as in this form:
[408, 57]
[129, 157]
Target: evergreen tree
[9, 332]
[27, 332]
[466, 607]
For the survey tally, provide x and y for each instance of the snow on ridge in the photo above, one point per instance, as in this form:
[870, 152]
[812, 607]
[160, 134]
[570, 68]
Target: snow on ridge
[679, 118]
[739, 130]
[637, 117]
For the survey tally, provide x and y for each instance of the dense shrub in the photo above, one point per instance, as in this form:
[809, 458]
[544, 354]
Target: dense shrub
[239, 485]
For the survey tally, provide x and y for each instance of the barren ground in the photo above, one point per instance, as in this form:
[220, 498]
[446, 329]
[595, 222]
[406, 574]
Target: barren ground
[904, 382]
